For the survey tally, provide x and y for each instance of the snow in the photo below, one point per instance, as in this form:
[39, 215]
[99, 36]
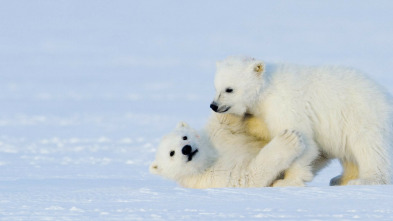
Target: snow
[88, 88]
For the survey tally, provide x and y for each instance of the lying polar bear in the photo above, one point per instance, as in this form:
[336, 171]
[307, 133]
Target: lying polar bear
[223, 155]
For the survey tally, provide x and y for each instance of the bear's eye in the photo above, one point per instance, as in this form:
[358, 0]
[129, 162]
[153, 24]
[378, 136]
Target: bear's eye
[185, 138]
[172, 153]
[229, 90]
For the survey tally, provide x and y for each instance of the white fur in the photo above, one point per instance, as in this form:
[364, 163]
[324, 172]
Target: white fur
[339, 112]
[226, 156]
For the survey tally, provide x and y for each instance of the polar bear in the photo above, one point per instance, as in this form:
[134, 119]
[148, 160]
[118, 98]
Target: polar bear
[339, 112]
[221, 156]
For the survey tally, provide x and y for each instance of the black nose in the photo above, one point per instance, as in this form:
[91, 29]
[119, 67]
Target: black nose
[214, 106]
[186, 150]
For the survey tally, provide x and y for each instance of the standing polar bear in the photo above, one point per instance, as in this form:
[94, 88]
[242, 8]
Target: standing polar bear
[339, 112]
[224, 155]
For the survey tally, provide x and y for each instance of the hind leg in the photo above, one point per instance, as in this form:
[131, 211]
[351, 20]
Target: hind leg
[371, 156]
[350, 172]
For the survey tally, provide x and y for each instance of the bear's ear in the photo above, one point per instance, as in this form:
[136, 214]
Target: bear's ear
[259, 67]
[154, 168]
[182, 125]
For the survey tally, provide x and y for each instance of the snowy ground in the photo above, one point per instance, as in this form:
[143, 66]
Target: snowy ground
[87, 88]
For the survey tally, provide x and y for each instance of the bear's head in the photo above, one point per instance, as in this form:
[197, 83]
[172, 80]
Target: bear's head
[182, 153]
[238, 82]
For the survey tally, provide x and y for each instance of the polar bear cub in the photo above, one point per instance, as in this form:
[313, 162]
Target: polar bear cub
[339, 112]
[216, 157]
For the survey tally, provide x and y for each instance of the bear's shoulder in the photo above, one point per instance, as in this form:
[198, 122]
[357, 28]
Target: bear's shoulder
[232, 124]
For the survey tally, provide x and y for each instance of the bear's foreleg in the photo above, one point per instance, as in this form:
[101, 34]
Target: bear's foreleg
[301, 170]
[275, 157]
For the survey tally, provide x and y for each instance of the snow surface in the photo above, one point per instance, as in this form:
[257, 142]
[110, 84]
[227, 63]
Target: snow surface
[87, 89]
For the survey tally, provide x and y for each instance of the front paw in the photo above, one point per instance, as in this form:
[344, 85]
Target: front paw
[292, 139]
